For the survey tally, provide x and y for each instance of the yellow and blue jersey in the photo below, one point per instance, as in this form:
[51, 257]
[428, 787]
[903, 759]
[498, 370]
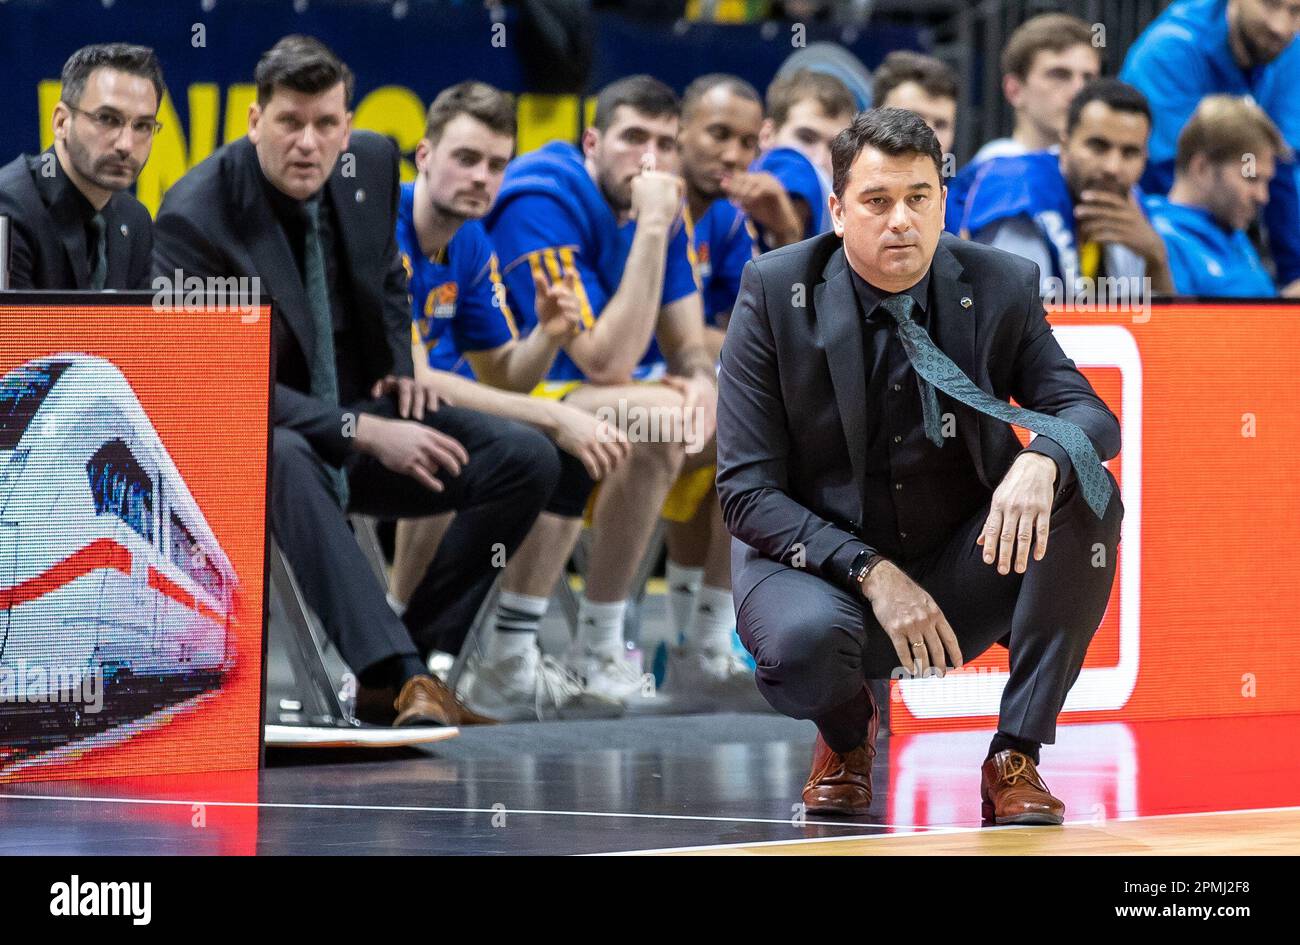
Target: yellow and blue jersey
[458, 302]
[721, 242]
[551, 219]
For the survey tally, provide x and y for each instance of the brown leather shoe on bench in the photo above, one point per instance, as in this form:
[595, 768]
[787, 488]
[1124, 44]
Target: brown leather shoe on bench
[1012, 792]
[426, 700]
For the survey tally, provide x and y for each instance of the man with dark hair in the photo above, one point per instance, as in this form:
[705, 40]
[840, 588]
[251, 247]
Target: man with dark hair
[463, 333]
[872, 500]
[785, 195]
[1245, 48]
[923, 84]
[644, 93]
[1045, 63]
[1077, 214]
[73, 223]
[1227, 156]
[722, 116]
[759, 195]
[353, 432]
[606, 222]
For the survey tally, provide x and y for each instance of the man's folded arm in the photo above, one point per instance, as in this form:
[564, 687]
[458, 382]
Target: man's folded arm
[1047, 381]
[753, 445]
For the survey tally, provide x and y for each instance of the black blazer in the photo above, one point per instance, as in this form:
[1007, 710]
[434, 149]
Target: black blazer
[48, 244]
[792, 392]
[217, 221]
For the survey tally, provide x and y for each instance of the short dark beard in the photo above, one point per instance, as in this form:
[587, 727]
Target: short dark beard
[1256, 56]
[81, 162]
[1077, 186]
[617, 203]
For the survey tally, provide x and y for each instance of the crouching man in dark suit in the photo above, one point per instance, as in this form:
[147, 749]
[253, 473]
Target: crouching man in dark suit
[353, 431]
[74, 225]
[884, 510]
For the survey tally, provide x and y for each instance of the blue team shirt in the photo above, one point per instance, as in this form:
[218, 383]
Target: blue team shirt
[721, 242]
[551, 218]
[1183, 56]
[802, 181]
[1025, 185]
[455, 303]
[1205, 258]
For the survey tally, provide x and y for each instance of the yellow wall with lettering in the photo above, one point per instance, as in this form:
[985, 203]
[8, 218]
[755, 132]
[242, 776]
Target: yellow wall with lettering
[392, 110]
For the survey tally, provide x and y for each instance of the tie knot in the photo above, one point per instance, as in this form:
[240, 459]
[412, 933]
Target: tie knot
[98, 223]
[899, 306]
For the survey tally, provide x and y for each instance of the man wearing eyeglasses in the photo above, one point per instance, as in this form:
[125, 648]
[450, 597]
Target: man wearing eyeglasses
[73, 223]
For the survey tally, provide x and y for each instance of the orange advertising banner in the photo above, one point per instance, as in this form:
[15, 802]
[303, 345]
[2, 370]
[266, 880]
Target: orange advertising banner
[133, 472]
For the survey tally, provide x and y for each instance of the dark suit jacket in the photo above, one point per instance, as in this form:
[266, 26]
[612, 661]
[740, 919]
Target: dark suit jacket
[48, 244]
[217, 221]
[792, 391]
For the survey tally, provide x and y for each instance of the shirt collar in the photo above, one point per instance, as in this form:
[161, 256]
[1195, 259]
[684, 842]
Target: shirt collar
[287, 209]
[869, 297]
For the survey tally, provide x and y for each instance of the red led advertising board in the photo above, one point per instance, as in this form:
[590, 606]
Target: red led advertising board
[1202, 620]
[133, 469]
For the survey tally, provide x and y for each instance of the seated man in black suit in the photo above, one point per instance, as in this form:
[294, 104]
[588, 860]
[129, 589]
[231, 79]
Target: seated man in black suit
[868, 468]
[73, 224]
[352, 429]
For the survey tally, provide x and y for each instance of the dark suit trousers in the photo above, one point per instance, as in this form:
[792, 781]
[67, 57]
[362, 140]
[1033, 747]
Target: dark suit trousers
[512, 471]
[814, 643]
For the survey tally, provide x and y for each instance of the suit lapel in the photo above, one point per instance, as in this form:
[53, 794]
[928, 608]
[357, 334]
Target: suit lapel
[839, 331]
[272, 257]
[72, 234]
[348, 210]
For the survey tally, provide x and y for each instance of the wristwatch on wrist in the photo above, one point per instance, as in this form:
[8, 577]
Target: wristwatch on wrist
[862, 565]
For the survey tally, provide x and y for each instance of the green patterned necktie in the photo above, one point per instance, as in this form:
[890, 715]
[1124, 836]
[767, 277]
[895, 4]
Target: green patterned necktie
[324, 372]
[936, 369]
[99, 276]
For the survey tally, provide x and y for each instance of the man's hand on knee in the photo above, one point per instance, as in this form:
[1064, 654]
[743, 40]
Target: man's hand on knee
[600, 445]
[1020, 513]
[411, 448]
[912, 620]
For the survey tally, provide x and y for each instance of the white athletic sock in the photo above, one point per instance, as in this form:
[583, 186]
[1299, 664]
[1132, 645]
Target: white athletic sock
[683, 585]
[515, 624]
[714, 617]
[600, 626]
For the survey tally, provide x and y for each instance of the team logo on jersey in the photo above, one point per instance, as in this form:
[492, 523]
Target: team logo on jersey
[441, 301]
[703, 268]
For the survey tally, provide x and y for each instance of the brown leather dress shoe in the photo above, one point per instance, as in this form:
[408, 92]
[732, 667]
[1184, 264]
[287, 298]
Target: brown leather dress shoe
[1013, 793]
[841, 784]
[426, 700]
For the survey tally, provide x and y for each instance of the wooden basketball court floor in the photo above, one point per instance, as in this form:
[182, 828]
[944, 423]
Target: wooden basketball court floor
[703, 784]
